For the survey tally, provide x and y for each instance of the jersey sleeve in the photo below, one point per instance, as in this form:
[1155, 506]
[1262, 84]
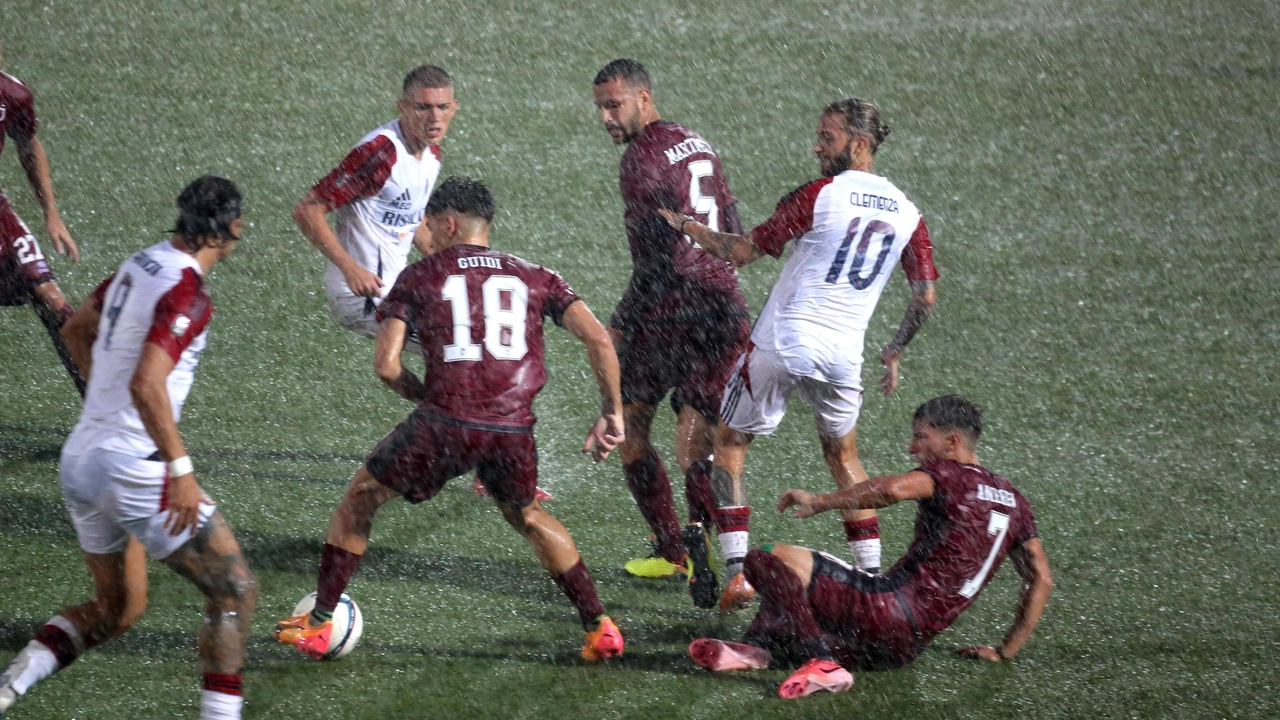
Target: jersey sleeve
[181, 315]
[1024, 524]
[99, 295]
[917, 256]
[22, 114]
[559, 297]
[361, 174]
[397, 302]
[792, 218]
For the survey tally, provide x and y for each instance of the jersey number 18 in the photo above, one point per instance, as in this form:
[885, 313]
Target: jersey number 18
[503, 328]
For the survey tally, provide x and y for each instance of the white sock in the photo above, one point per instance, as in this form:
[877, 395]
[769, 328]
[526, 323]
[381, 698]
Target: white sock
[734, 545]
[866, 553]
[35, 663]
[220, 706]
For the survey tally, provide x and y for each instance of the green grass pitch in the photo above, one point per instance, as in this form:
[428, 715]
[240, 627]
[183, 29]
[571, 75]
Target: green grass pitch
[1099, 179]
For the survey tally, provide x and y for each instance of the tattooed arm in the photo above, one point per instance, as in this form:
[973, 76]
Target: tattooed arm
[923, 298]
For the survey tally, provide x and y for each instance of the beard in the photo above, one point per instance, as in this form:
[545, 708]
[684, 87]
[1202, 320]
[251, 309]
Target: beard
[838, 163]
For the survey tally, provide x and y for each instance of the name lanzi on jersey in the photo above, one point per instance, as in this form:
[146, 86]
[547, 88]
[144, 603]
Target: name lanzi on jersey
[998, 496]
[875, 202]
[682, 150]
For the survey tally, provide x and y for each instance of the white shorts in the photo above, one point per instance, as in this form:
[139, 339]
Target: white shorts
[755, 398]
[359, 315]
[112, 496]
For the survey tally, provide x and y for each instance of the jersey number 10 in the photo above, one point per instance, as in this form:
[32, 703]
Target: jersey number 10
[503, 328]
[856, 278]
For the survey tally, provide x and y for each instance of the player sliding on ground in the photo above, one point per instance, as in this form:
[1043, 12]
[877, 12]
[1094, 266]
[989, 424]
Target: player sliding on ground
[124, 469]
[816, 608]
[479, 315]
[850, 227]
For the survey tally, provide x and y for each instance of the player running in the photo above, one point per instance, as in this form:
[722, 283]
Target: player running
[850, 227]
[124, 469]
[681, 322]
[817, 608]
[25, 275]
[479, 313]
[378, 193]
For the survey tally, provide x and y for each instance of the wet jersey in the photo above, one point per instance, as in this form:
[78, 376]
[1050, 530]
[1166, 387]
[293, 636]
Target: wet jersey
[850, 230]
[478, 313]
[157, 296]
[380, 191]
[17, 114]
[962, 534]
[669, 166]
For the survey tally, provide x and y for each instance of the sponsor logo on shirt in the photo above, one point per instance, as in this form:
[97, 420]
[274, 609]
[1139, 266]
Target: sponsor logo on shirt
[682, 150]
[873, 201]
[998, 496]
[180, 325]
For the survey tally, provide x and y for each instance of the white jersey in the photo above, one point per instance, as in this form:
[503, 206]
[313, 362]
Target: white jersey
[156, 296]
[379, 191]
[850, 230]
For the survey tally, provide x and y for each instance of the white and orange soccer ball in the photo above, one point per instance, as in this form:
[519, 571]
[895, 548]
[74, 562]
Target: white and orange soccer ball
[348, 624]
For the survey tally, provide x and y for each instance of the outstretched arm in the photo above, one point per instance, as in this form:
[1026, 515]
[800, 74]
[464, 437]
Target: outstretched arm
[607, 433]
[738, 250]
[309, 215]
[36, 164]
[923, 298]
[386, 360]
[875, 493]
[1030, 561]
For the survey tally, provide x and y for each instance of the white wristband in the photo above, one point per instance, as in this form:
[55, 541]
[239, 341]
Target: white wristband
[181, 466]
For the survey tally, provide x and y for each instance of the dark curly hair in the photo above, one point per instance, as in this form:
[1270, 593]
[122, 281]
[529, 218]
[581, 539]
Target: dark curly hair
[860, 117]
[206, 209]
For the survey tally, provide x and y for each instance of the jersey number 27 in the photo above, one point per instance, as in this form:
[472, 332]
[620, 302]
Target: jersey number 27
[503, 328]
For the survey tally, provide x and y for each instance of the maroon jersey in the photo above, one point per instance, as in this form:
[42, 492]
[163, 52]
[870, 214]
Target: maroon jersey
[478, 313]
[962, 534]
[669, 166]
[17, 113]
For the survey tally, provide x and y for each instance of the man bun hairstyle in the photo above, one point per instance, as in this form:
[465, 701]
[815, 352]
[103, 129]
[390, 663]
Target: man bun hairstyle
[426, 76]
[860, 117]
[951, 412]
[629, 70]
[206, 209]
[464, 196]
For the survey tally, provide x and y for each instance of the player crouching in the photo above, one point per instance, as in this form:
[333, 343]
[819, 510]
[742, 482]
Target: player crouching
[124, 470]
[816, 607]
[479, 315]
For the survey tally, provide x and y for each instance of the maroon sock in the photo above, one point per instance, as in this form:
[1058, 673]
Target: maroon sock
[581, 590]
[225, 684]
[868, 529]
[733, 519]
[647, 479]
[336, 568]
[697, 491]
[781, 592]
[59, 643]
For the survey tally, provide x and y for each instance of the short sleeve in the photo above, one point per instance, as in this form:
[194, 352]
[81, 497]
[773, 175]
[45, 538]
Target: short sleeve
[559, 297]
[181, 315]
[1024, 524]
[361, 174]
[397, 302]
[22, 114]
[917, 256]
[792, 218]
[99, 295]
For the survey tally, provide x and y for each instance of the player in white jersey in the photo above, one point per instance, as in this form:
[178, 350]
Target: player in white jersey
[125, 471]
[378, 194]
[850, 227]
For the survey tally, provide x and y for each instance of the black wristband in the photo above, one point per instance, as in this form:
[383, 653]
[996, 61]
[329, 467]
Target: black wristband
[683, 223]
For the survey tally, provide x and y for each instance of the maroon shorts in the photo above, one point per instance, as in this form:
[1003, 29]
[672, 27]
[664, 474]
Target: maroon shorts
[695, 359]
[425, 451]
[871, 622]
[22, 264]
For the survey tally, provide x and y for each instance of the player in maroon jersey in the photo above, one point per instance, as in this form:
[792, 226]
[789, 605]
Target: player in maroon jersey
[682, 321]
[25, 275]
[479, 316]
[838, 617]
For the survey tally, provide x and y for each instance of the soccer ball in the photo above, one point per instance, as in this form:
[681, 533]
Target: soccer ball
[348, 624]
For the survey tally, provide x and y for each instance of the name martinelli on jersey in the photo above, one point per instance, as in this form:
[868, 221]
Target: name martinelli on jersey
[682, 150]
[873, 201]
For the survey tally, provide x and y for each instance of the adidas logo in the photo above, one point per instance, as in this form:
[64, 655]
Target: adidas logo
[404, 196]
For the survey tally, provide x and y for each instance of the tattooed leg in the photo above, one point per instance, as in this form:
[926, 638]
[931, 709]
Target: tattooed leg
[733, 515]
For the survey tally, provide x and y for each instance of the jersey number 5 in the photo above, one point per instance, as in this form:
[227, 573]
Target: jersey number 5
[703, 204]
[503, 327]
[998, 526]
